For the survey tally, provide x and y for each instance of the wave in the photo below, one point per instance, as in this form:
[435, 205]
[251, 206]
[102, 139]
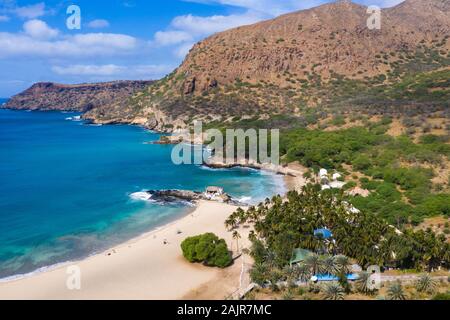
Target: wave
[141, 196]
[75, 118]
[245, 199]
[35, 272]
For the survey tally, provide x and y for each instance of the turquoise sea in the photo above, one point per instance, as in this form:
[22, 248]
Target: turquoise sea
[65, 187]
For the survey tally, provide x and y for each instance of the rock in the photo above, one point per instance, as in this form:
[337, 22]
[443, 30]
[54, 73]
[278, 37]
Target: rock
[48, 96]
[189, 86]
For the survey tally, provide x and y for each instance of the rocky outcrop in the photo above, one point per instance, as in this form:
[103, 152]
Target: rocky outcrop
[48, 96]
[168, 196]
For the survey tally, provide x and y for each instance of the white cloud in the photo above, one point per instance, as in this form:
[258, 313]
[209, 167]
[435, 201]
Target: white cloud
[183, 50]
[81, 45]
[165, 38]
[108, 70]
[185, 30]
[31, 11]
[207, 25]
[39, 29]
[88, 70]
[98, 24]
[268, 7]
[4, 18]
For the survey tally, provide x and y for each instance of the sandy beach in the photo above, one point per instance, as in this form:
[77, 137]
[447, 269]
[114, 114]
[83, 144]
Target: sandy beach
[152, 267]
[144, 268]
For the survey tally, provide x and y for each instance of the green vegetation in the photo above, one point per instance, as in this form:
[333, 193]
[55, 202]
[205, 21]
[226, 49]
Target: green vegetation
[382, 159]
[442, 296]
[207, 249]
[333, 291]
[282, 226]
[426, 284]
[396, 292]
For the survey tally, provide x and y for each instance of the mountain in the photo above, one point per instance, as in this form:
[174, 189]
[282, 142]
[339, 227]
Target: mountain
[324, 57]
[310, 64]
[81, 97]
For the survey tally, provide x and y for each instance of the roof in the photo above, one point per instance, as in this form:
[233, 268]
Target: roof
[329, 277]
[299, 255]
[324, 233]
[214, 189]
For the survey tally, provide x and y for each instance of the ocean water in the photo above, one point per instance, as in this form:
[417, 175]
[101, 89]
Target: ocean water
[65, 187]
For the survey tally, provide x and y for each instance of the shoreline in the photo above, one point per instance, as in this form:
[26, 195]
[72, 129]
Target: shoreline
[119, 272]
[48, 282]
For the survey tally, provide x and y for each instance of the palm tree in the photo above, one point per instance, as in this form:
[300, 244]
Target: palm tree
[333, 291]
[396, 292]
[304, 272]
[236, 236]
[328, 265]
[363, 283]
[291, 275]
[426, 284]
[231, 222]
[313, 262]
[259, 273]
[343, 264]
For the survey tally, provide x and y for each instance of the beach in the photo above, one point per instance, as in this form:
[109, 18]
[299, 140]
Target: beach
[150, 267]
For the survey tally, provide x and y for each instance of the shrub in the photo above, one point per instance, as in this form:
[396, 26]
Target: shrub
[207, 249]
[426, 284]
[442, 296]
[396, 292]
[333, 291]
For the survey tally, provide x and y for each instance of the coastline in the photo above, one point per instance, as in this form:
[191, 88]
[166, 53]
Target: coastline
[142, 268]
[136, 268]
[146, 268]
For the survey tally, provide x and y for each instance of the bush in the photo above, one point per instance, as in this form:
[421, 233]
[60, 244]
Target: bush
[442, 296]
[207, 249]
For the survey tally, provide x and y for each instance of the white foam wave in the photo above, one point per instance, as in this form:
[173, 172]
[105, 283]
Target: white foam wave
[38, 271]
[245, 199]
[75, 118]
[141, 196]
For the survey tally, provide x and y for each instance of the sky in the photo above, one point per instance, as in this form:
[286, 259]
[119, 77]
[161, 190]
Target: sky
[117, 39]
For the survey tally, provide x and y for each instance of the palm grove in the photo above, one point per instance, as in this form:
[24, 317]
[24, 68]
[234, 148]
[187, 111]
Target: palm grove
[282, 225]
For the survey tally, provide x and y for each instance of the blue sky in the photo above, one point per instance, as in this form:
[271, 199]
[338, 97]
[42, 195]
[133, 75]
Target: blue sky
[118, 39]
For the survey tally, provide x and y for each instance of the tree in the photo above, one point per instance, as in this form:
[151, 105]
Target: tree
[237, 236]
[313, 262]
[259, 273]
[304, 272]
[395, 291]
[328, 265]
[426, 284]
[207, 249]
[363, 284]
[343, 264]
[333, 291]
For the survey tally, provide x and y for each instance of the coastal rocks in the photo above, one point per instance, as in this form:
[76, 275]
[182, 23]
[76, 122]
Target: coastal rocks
[172, 196]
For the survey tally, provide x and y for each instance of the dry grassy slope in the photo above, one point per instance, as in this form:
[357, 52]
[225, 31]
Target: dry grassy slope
[332, 37]
[270, 66]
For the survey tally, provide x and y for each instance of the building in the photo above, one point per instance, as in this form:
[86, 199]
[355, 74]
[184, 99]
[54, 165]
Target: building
[299, 255]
